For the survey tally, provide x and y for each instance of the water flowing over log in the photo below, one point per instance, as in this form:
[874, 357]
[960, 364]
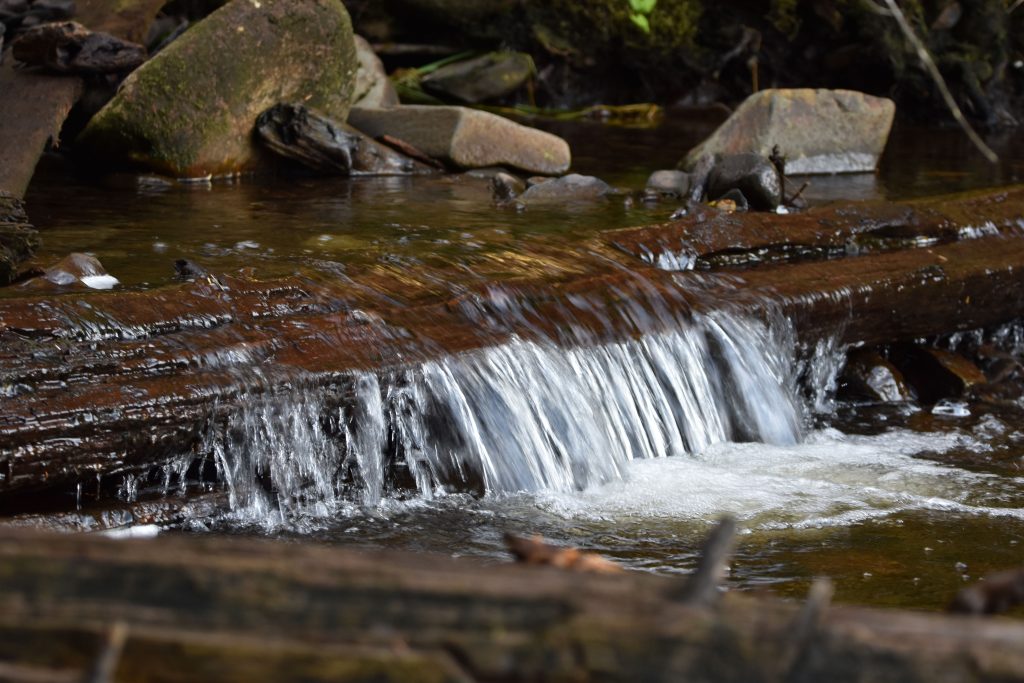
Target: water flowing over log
[185, 609]
[111, 383]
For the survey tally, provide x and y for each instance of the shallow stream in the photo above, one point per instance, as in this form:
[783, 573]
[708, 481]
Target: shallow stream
[897, 506]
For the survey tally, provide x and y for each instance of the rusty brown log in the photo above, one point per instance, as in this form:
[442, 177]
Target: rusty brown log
[102, 383]
[212, 608]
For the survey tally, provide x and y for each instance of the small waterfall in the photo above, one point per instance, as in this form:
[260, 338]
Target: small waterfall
[525, 415]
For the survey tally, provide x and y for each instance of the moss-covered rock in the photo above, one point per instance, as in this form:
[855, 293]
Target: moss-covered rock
[190, 111]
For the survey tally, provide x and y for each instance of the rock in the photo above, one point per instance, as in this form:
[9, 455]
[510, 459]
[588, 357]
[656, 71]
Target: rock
[184, 269]
[467, 138]
[69, 47]
[373, 88]
[482, 79]
[868, 375]
[327, 146]
[751, 174]
[573, 187]
[18, 239]
[77, 269]
[818, 131]
[936, 374]
[669, 182]
[505, 187]
[190, 111]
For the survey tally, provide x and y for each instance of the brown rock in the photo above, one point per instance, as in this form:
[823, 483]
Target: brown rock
[936, 373]
[868, 375]
[467, 138]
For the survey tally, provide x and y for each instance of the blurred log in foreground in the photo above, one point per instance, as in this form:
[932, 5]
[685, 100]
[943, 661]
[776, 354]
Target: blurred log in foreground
[194, 609]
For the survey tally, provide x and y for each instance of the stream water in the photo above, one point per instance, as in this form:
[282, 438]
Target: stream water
[629, 446]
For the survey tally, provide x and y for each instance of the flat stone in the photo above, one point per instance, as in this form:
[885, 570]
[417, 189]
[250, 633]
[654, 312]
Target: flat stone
[818, 131]
[190, 110]
[373, 88]
[481, 79]
[467, 138]
[573, 187]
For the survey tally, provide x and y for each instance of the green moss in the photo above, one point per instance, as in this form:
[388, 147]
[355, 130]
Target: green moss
[783, 16]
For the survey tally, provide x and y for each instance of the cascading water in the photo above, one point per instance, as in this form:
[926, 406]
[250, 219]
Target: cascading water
[523, 415]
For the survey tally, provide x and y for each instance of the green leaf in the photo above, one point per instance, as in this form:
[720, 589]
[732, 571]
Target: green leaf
[641, 21]
[642, 6]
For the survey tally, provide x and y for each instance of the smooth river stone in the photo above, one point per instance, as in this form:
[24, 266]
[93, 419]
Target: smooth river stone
[467, 138]
[818, 131]
[190, 110]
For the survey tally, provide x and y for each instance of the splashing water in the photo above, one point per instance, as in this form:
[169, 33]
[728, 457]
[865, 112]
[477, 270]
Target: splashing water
[522, 416]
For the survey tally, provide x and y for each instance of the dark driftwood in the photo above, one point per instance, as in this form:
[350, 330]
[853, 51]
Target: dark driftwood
[70, 48]
[135, 365]
[189, 609]
[35, 105]
[327, 146]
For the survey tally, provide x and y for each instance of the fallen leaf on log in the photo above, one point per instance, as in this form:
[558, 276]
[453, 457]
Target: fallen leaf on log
[538, 551]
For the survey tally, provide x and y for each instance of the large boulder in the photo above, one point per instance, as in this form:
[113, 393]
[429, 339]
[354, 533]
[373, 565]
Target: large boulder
[190, 110]
[817, 131]
[467, 138]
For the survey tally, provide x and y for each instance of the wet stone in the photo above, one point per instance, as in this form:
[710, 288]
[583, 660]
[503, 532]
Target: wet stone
[669, 182]
[868, 375]
[76, 269]
[572, 187]
[754, 176]
[505, 187]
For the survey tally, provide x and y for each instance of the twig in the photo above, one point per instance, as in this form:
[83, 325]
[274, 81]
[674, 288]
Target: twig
[929, 64]
[1015, 6]
[702, 586]
[105, 667]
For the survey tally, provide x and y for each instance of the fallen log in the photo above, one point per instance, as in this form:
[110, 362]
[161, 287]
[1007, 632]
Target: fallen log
[195, 608]
[70, 48]
[118, 382]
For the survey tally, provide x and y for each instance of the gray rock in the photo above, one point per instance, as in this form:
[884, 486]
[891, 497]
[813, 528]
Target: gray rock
[818, 131]
[467, 138]
[573, 187]
[79, 269]
[373, 88]
[670, 182]
[190, 110]
[481, 79]
[751, 174]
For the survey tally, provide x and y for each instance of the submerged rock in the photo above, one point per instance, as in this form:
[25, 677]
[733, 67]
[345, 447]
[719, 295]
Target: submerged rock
[373, 88]
[467, 138]
[505, 187]
[573, 187]
[190, 111]
[482, 79]
[754, 176]
[817, 131]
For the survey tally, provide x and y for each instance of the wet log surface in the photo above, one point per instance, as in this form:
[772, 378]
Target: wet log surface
[104, 383]
[186, 609]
